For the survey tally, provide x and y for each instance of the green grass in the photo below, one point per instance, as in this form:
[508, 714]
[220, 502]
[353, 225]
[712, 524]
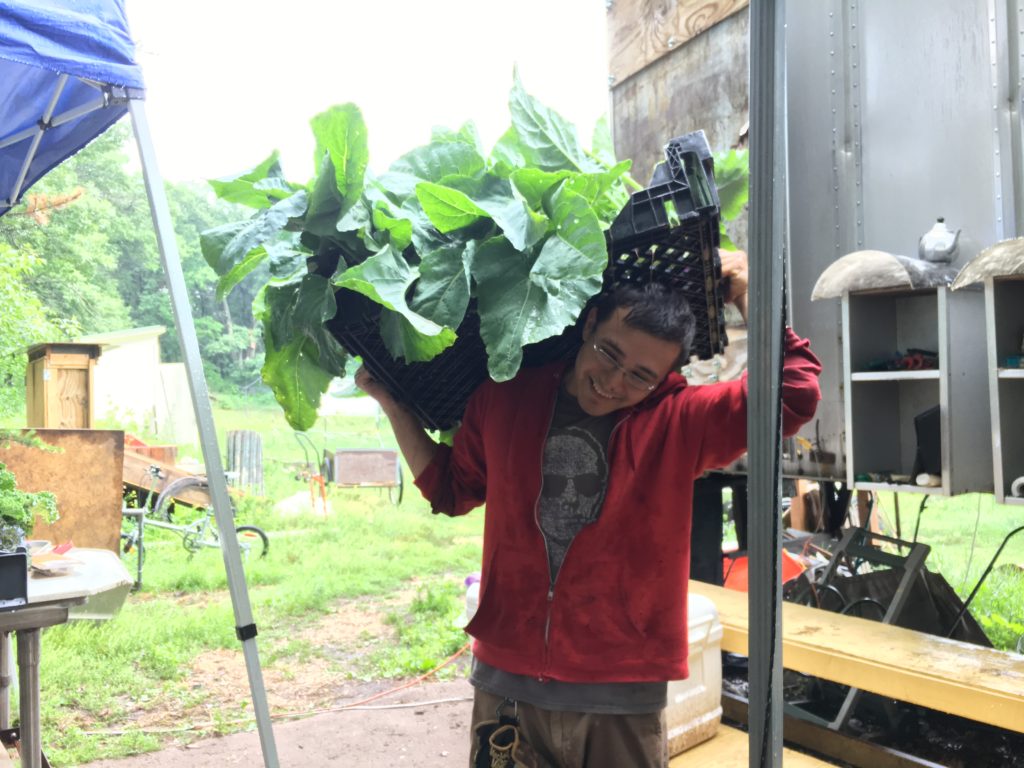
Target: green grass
[964, 533]
[101, 672]
[95, 675]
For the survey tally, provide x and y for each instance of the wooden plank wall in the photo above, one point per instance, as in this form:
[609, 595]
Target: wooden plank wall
[642, 31]
[85, 474]
[660, 91]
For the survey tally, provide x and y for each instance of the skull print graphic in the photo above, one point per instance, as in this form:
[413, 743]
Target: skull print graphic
[575, 474]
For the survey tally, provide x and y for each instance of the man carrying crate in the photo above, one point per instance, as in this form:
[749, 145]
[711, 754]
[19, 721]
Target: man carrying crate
[586, 469]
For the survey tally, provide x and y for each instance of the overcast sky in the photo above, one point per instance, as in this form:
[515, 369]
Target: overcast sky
[228, 81]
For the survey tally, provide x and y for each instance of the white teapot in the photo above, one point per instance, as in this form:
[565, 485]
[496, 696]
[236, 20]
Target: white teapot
[938, 244]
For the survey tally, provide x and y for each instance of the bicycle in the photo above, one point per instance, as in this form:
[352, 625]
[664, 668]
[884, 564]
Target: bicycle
[195, 535]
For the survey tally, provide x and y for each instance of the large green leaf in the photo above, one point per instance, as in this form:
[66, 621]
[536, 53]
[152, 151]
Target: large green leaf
[433, 162]
[234, 250]
[467, 134]
[577, 224]
[533, 184]
[259, 187]
[405, 342]
[522, 300]
[507, 155]
[341, 133]
[385, 278]
[603, 191]
[442, 291]
[296, 379]
[732, 178]
[398, 228]
[448, 208]
[324, 201]
[601, 142]
[301, 358]
[546, 139]
[518, 222]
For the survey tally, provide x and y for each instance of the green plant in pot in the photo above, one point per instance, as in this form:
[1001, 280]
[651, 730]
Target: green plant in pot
[18, 509]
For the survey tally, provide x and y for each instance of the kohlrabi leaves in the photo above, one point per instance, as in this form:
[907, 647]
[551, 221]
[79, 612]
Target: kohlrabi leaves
[516, 235]
[398, 228]
[259, 187]
[546, 139]
[385, 278]
[449, 154]
[533, 184]
[522, 299]
[732, 177]
[301, 358]
[507, 154]
[577, 224]
[405, 342]
[442, 291]
[340, 133]
[448, 209]
[601, 142]
[467, 134]
[233, 250]
[508, 210]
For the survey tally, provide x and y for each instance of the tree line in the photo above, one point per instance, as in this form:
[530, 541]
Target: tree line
[79, 256]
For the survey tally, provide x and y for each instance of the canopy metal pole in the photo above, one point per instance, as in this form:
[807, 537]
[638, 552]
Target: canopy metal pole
[245, 628]
[767, 307]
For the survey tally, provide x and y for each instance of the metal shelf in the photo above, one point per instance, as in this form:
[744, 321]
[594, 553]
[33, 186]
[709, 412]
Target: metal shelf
[900, 488]
[896, 375]
[1011, 373]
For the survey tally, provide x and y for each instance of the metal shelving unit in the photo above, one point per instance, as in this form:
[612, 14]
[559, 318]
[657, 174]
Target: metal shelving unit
[881, 405]
[1004, 320]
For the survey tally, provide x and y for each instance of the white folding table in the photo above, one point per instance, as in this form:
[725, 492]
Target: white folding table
[50, 598]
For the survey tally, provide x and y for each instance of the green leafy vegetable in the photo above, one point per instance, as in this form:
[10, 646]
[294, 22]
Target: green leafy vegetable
[516, 235]
[732, 177]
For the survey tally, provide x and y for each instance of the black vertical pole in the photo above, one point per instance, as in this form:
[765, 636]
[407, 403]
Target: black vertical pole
[767, 269]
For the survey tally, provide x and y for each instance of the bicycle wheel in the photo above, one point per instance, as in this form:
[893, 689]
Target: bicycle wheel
[252, 541]
[193, 485]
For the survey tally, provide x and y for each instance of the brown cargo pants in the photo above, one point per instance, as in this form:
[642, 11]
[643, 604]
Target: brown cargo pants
[580, 740]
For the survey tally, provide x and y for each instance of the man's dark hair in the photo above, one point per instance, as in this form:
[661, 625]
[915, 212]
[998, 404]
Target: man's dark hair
[655, 309]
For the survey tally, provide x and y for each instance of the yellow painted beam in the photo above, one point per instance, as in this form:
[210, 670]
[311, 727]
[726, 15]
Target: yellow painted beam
[967, 680]
[729, 748]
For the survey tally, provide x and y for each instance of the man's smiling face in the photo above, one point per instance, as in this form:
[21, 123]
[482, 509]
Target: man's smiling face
[618, 365]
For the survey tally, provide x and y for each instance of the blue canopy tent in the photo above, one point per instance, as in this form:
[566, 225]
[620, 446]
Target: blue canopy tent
[67, 73]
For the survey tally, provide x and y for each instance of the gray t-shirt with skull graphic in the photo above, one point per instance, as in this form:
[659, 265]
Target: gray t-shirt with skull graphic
[575, 477]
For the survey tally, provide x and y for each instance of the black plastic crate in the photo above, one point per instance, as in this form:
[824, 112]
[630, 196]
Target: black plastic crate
[667, 233]
[437, 390]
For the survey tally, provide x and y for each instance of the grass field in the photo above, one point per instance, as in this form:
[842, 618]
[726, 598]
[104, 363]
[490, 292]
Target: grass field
[101, 679]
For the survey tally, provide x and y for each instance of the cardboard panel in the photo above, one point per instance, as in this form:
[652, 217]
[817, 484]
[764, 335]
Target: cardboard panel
[85, 474]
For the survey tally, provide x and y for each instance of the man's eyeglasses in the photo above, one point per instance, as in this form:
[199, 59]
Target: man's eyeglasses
[633, 379]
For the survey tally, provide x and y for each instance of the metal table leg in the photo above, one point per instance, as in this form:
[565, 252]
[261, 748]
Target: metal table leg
[5, 680]
[28, 688]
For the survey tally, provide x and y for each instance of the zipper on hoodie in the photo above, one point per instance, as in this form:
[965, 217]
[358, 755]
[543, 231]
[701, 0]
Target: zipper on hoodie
[547, 555]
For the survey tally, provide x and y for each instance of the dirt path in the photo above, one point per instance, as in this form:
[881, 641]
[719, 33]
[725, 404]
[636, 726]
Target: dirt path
[424, 725]
[428, 735]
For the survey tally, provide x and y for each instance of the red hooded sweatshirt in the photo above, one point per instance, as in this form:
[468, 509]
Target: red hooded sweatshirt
[617, 611]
